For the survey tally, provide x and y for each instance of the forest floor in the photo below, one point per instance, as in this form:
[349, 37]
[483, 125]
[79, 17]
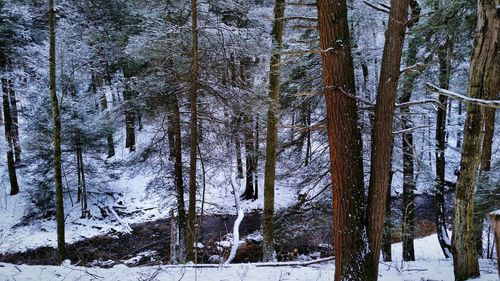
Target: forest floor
[133, 243]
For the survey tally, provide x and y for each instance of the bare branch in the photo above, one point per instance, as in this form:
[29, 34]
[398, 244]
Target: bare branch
[411, 129]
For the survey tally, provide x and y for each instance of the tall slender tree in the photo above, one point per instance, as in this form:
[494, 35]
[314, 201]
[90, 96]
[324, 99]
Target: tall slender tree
[272, 130]
[56, 114]
[382, 136]
[409, 184]
[344, 138]
[481, 75]
[193, 138]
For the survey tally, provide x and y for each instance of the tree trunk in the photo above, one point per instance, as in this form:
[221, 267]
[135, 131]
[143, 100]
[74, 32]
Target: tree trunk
[495, 224]
[483, 62]
[250, 157]
[9, 136]
[256, 170]
[178, 179]
[193, 137]
[15, 122]
[104, 108]
[272, 131]
[344, 138]
[129, 119]
[382, 136]
[493, 88]
[408, 211]
[444, 56]
[82, 187]
[237, 142]
[387, 239]
[56, 114]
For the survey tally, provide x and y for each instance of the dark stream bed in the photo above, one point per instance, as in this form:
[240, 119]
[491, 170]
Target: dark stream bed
[149, 242]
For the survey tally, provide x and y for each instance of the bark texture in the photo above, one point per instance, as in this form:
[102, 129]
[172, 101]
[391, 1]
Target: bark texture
[193, 137]
[56, 114]
[408, 211]
[178, 180]
[272, 131]
[444, 57]
[10, 137]
[483, 59]
[344, 138]
[382, 136]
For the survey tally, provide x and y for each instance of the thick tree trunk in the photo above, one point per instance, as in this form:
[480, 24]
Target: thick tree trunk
[344, 138]
[382, 136]
[56, 114]
[178, 179]
[493, 88]
[483, 62]
[9, 136]
[193, 137]
[272, 131]
[444, 56]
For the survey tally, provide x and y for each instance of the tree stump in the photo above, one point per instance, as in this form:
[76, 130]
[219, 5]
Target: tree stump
[495, 223]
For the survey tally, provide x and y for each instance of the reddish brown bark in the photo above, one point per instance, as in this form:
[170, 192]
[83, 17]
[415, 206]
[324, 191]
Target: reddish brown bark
[382, 136]
[344, 138]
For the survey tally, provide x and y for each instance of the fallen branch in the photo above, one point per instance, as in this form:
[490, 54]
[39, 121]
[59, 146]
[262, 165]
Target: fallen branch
[465, 99]
[119, 219]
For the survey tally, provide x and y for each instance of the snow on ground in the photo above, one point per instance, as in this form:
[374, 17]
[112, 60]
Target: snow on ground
[419, 270]
[142, 204]
[430, 265]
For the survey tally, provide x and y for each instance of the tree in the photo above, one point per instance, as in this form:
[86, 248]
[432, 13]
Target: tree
[178, 179]
[344, 138]
[9, 136]
[481, 74]
[193, 137]
[56, 114]
[484, 200]
[409, 185]
[272, 130]
[382, 136]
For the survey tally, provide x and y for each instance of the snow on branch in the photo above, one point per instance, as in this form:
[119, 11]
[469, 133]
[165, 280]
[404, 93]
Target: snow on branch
[416, 68]
[453, 95]
[419, 102]
[310, 19]
[378, 6]
[410, 129]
